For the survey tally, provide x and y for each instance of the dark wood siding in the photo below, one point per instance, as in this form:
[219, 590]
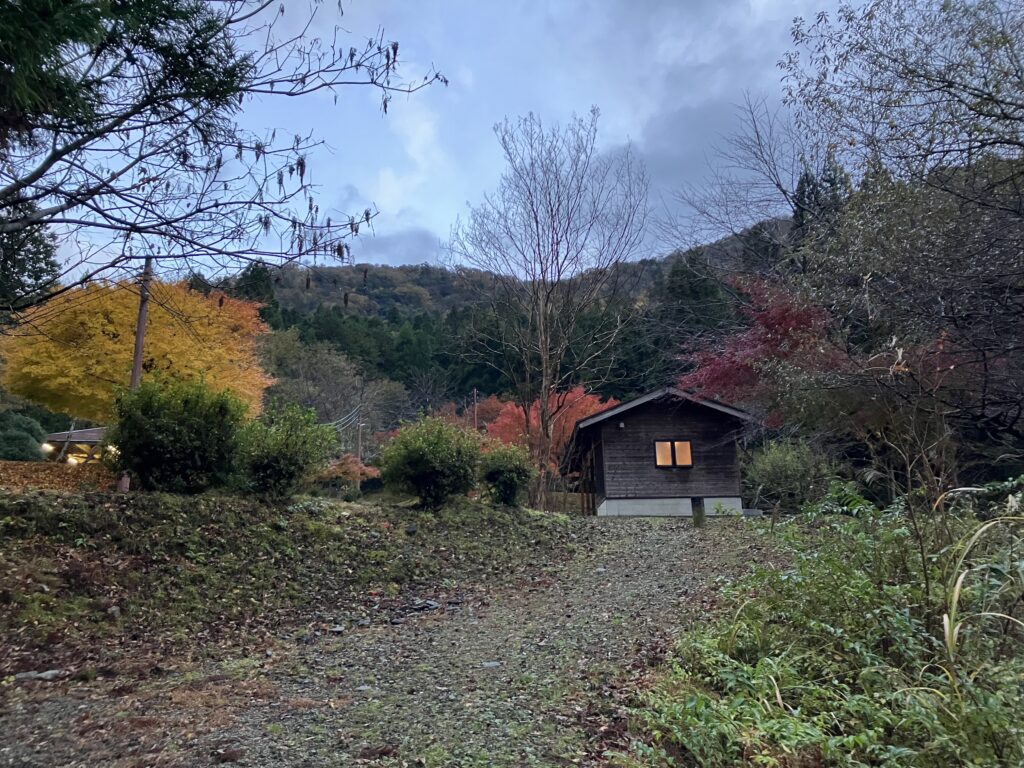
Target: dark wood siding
[628, 453]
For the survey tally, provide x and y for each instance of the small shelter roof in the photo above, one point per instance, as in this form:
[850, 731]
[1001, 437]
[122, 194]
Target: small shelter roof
[90, 436]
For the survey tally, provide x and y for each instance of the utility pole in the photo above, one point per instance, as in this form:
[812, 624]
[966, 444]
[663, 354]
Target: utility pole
[140, 337]
[140, 324]
[475, 425]
[359, 441]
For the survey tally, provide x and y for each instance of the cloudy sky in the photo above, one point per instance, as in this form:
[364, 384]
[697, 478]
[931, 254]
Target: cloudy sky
[666, 74]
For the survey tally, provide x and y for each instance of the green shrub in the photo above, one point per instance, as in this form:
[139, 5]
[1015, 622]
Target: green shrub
[433, 459]
[11, 421]
[177, 436]
[19, 446]
[283, 449]
[47, 420]
[789, 473]
[506, 471]
[21, 437]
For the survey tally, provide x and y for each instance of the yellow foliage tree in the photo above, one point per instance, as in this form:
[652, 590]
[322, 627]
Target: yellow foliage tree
[73, 353]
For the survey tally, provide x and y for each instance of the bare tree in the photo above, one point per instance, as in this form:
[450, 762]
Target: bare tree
[750, 192]
[563, 220]
[320, 377]
[925, 88]
[429, 389]
[752, 177]
[143, 155]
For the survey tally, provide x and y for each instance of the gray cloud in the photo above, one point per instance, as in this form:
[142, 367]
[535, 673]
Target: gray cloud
[407, 246]
[678, 145]
[666, 75]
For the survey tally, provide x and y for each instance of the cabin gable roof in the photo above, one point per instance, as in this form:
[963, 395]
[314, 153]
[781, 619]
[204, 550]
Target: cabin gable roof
[674, 393]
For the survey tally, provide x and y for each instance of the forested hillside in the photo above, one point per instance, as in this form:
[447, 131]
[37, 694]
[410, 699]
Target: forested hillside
[406, 327]
[408, 290]
[372, 290]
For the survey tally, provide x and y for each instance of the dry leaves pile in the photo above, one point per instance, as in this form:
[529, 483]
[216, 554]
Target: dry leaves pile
[55, 476]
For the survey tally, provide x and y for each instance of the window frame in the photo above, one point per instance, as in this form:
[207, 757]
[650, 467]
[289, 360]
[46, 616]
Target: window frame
[672, 450]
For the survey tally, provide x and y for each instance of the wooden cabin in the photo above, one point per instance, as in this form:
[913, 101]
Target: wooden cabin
[662, 454]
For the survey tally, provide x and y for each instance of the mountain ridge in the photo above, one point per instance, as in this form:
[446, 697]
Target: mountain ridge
[402, 291]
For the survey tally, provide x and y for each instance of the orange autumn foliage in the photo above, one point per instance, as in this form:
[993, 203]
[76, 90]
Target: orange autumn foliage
[488, 409]
[568, 407]
[73, 353]
[348, 470]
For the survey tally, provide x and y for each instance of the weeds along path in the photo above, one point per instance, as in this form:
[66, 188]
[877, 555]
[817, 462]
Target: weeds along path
[524, 676]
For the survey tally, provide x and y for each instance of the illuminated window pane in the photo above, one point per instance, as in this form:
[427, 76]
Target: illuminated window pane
[683, 458]
[663, 454]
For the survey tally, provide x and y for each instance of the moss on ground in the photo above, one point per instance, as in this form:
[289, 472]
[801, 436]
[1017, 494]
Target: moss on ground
[76, 570]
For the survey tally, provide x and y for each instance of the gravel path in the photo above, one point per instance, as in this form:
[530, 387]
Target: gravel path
[525, 676]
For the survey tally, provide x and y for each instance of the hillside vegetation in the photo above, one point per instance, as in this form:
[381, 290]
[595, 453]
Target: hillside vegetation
[866, 313]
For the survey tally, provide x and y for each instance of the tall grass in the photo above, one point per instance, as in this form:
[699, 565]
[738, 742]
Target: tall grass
[848, 658]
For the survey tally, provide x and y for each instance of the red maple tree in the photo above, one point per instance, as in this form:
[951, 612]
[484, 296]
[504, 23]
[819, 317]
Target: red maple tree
[510, 425]
[781, 327]
[487, 410]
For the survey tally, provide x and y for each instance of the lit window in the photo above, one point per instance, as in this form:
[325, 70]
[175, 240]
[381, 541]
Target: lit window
[663, 454]
[682, 450]
[672, 453]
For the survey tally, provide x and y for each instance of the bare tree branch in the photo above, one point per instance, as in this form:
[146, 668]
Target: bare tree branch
[155, 163]
[563, 220]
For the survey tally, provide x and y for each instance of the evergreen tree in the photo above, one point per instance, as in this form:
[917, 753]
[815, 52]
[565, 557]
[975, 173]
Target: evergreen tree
[806, 203]
[28, 265]
[692, 296]
[818, 203]
[35, 82]
[21, 437]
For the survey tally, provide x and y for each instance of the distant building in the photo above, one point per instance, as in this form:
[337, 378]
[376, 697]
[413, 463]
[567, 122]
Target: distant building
[77, 446]
[661, 454]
